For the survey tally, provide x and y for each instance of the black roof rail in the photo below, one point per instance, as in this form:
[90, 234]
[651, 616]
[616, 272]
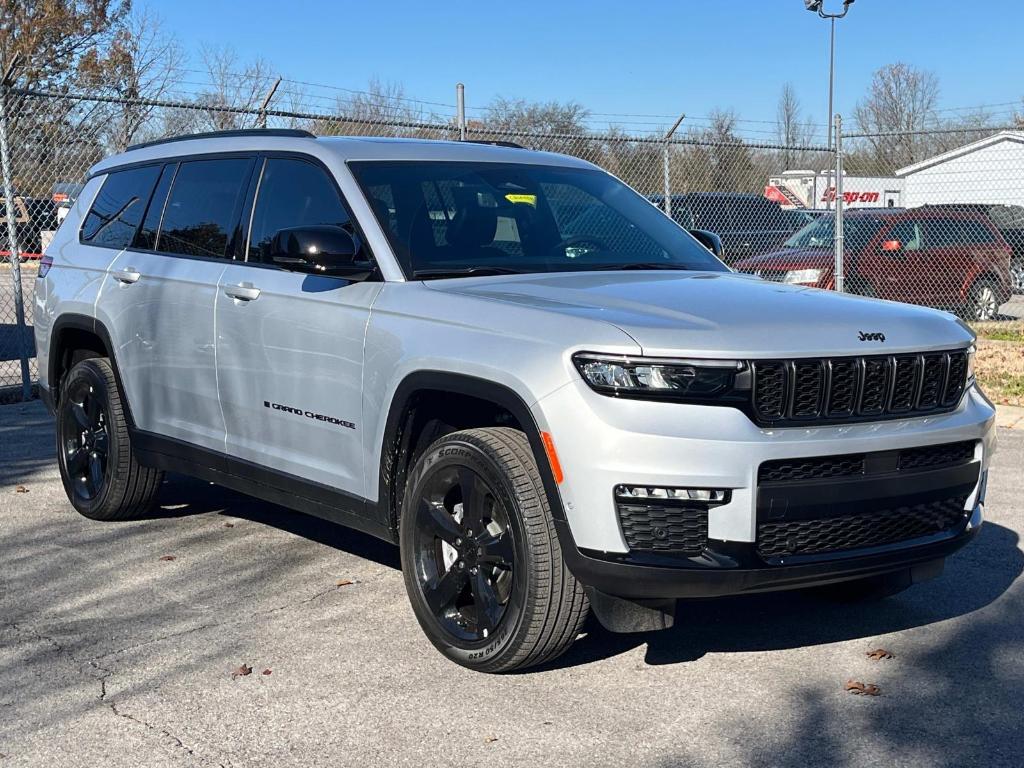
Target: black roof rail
[494, 143]
[295, 133]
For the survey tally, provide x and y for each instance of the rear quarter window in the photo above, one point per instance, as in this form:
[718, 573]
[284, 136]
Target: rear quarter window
[118, 208]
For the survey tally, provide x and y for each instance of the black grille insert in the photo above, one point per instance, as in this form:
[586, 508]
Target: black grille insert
[855, 464]
[870, 529]
[834, 390]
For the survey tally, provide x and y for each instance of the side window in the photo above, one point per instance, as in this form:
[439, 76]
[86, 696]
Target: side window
[908, 233]
[976, 233]
[292, 193]
[118, 207]
[202, 207]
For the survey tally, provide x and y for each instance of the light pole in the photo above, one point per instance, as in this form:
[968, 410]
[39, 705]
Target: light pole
[817, 6]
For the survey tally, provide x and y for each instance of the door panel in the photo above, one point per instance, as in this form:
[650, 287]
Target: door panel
[290, 344]
[161, 321]
[290, 363]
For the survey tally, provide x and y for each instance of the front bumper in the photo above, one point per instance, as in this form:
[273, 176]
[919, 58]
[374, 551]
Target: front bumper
[603, 442]
[733, 569]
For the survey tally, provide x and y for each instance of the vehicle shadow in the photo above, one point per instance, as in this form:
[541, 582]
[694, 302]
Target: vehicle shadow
[973, 579]
[182, 496]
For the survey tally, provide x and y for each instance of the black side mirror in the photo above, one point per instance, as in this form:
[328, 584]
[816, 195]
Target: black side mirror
[709, 240]
[319, 250]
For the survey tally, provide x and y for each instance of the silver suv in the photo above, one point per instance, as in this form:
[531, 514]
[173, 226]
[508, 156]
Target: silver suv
[547, 393]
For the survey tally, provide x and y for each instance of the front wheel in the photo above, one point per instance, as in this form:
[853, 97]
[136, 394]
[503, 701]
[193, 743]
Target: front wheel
[480, 556]
[1017, 274]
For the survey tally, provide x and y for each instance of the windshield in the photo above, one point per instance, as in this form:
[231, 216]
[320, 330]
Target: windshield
[444, 219]
[820, 233]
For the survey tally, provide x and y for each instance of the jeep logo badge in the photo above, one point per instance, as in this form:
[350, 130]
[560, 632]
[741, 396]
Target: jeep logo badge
[870, 336]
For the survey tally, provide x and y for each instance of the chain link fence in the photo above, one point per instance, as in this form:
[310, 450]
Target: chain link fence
[934, 219]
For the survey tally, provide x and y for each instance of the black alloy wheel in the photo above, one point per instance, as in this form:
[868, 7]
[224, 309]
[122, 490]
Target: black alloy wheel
[465, 553]
[84, 439]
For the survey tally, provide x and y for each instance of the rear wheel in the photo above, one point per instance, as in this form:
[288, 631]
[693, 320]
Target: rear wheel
[480, 557]
[100, 474]
[982, 301]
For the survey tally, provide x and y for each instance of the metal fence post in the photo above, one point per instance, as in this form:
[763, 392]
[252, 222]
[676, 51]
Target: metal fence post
[460, 102]
[665, 160]
[839, 204]
[12, 247]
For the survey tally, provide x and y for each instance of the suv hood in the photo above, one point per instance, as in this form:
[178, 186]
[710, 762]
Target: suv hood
[722, 315]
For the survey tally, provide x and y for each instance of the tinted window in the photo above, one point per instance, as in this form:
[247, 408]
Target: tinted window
[908, 233]
[820, 233]
[711, 213]
[118, 207]
[292, 193]
[146, 238]
[444, 216]
[202, 207]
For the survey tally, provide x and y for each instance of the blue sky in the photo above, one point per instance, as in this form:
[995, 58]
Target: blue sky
[613, 57]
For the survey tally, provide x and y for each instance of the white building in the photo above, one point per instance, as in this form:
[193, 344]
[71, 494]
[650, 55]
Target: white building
[990, 170]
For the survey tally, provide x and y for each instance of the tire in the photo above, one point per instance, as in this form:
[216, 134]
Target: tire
[983, 300]
[869, 590]
[498, 598]
[101, 477]
[1017, 274]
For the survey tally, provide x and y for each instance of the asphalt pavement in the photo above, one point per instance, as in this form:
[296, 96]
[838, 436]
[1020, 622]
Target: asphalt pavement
[114, 654]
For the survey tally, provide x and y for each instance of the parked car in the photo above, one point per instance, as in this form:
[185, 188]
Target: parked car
[1009, 220]
[954, 260]
[422, 340]
[35, 221]
[747, 224]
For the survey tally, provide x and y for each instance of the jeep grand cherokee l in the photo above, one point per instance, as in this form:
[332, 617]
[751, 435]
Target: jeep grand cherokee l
[421, 340]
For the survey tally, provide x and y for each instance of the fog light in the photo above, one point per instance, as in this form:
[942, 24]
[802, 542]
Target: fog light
[656, 492]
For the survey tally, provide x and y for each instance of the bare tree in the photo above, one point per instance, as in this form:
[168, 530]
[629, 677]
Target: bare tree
[793, 130]
[232, 87]
[142, 64]
[901, 100]
[536, 117]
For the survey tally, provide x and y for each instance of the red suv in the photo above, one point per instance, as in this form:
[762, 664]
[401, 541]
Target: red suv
[930, 256]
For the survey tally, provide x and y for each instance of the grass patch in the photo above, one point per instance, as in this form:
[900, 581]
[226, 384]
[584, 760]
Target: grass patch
[999, 366]
[1012, 331]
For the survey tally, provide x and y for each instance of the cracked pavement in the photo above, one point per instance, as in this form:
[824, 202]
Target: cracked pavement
[111, 656]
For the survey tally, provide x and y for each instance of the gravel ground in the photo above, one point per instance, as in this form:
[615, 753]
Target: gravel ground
[112, 656]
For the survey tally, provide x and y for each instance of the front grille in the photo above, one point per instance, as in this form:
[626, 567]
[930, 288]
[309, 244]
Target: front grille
[835, 390]
[854, 464]
[871, 529]
[679, 529]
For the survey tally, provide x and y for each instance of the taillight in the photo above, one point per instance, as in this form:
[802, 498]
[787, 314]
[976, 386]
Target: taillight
[44, 265]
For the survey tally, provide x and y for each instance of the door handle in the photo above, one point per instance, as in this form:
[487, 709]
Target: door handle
[128, 275]
[242, 292]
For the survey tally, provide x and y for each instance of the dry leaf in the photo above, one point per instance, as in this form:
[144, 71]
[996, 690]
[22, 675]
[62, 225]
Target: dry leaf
[21, 489]
[168, 558]
[267, 672]
[862, 689]
[242, 671]
[878, 654]
[490, 739]
[344, 582]
[229, 525]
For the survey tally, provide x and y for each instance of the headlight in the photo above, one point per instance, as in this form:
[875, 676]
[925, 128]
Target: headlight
[662, 378]
[802, 276]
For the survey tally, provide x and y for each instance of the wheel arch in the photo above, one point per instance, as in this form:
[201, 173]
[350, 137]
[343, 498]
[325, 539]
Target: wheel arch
[75, 332]
[407, 423]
